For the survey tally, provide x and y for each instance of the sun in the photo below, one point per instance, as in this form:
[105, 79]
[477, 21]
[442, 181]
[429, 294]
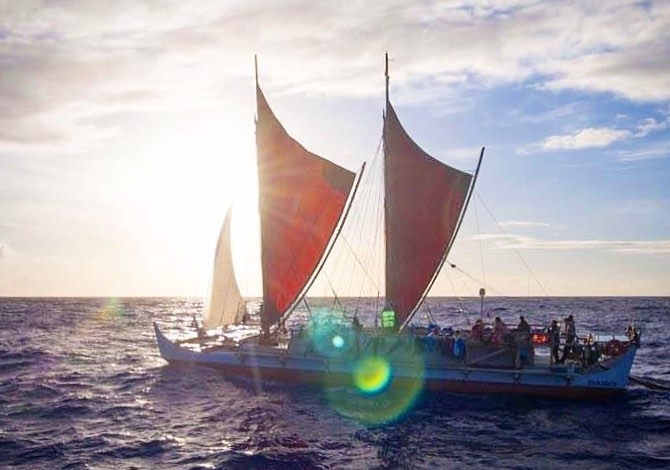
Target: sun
[190, 178]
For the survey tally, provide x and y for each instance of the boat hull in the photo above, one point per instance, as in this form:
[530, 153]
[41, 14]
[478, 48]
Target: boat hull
[272, 364]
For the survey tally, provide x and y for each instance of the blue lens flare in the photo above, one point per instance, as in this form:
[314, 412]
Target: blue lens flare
[338, 341]
[330, 333]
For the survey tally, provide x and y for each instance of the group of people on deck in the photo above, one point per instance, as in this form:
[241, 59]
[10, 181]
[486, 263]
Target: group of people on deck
[554, 331]
[500, 330]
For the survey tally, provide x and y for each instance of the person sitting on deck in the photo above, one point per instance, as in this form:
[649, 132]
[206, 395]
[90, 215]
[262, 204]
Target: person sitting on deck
[477, 331]
[499, 331]
[431, 337]
[434, 331]
[554, 332]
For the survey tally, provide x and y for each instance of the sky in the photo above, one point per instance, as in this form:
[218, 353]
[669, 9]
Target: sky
[127, 129]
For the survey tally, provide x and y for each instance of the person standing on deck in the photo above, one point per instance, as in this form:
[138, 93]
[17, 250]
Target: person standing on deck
[570, 336]
[523, 326]
[554, 332]
[523, 342]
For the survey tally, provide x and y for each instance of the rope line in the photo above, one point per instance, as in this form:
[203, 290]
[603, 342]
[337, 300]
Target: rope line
[507, 237]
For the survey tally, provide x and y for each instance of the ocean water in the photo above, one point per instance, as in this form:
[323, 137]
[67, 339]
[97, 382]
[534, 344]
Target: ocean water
[82, 386]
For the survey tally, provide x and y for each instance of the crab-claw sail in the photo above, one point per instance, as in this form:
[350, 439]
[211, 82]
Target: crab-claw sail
[301, 199]
[226, 305]
[424, 199]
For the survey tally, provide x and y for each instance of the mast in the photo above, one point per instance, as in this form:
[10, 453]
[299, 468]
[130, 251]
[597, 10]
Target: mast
[386, 74]
[387, 196]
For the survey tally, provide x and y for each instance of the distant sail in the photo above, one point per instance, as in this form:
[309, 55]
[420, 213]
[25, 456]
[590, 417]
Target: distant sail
[226, 305]
[423, 202]
[301, 199]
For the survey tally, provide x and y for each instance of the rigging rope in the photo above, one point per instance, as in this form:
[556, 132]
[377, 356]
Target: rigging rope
[512, 244]
[479, 281]
[481, 248]
[460, 300]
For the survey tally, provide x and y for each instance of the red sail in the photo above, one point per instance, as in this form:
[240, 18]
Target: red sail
[423, 202]
[301, 199]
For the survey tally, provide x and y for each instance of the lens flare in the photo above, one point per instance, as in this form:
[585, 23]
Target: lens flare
[330, 334]
[379, 386]
[372, 375]
[338, 341]
[111, 309]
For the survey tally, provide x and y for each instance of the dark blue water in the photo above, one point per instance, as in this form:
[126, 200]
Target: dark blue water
[82, 386]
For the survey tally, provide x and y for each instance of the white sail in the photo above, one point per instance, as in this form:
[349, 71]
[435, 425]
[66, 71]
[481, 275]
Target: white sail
[226, 305]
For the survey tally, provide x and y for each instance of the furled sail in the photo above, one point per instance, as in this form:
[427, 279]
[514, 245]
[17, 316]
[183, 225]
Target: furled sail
[423, 203]
[226, 306]
[301, 199]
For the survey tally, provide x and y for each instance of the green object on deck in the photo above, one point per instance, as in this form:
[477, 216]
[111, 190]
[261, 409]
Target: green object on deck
[388, 319]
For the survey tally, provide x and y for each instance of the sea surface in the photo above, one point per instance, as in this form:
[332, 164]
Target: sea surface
[82, 386]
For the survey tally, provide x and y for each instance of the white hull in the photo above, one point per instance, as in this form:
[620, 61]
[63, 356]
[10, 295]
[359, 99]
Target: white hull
[300, 365]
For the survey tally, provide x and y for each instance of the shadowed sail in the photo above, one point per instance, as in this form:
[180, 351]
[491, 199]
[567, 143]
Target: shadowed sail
[301, 199]
[226, 306]
[424, 199]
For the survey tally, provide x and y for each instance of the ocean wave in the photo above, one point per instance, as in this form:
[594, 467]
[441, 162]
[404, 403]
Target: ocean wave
[82, 386]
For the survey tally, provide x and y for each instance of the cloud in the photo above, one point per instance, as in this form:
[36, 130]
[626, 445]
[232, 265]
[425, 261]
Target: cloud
[523, 223]
[641, 206]
[6, 251]
[652, 152]
[128, 56]
[585, 138]
[599, 137]
[649, 125]
[518, 242]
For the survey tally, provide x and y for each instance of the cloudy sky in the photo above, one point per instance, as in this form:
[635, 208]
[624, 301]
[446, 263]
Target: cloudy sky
[126, 129]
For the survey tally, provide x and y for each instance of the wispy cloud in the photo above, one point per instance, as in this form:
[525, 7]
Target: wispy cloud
[5, 250]
[519, 242]
[650, 153]
[649, 125]
[523, 223]
[642, 206]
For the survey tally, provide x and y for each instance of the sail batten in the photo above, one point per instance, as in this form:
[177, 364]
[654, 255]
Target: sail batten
[423, 201]
[301, 199]
[226, 305]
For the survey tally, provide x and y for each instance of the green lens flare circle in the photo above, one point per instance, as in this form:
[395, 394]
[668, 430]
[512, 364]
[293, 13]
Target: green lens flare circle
[372, 375]
[376, 389]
